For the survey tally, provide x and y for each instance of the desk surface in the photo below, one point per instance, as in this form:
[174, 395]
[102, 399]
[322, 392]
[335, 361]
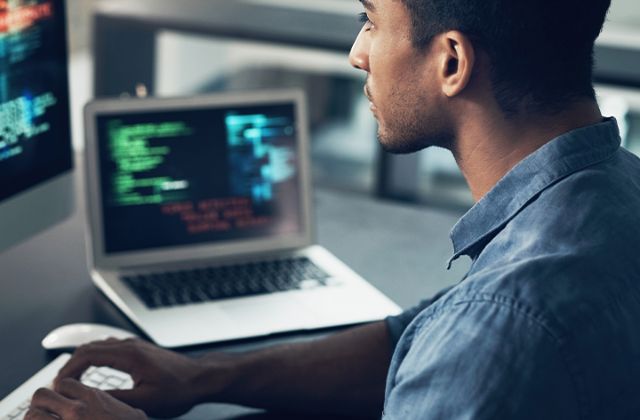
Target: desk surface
[45, 283]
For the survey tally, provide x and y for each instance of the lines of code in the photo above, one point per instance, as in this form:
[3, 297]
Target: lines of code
[21, 14]
[20, 36]
[22, 117]
[138, 151]
[216, 215]
[188, 176]
[257, 160]
[19, 121]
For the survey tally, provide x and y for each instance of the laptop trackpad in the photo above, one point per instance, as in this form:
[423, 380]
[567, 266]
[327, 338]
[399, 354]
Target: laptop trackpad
[269, 313]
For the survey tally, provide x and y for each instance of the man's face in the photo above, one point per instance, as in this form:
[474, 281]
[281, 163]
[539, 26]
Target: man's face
[403, 97]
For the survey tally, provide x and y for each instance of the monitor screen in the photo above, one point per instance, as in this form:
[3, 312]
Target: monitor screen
[196, 176]
[35, 137]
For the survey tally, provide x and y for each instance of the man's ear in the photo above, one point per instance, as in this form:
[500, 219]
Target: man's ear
[457, 58]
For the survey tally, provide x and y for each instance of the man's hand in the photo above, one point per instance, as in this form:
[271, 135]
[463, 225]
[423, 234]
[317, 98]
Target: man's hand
[165, 382]
[342, 374]
[73, 401]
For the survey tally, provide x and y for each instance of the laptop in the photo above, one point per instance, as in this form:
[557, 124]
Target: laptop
[201, 223]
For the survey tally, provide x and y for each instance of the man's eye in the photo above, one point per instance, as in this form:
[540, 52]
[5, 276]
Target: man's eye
[363, 17]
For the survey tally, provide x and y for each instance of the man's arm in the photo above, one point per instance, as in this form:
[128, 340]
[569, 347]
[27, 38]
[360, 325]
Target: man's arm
[342, 374]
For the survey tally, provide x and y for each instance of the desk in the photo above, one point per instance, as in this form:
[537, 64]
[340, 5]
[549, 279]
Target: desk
[45, 283]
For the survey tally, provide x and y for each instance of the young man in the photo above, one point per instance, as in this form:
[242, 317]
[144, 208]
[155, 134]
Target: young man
[544, 325]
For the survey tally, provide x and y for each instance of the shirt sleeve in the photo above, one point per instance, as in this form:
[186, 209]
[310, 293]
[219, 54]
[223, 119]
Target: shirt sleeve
[481, 361]
[397, 324]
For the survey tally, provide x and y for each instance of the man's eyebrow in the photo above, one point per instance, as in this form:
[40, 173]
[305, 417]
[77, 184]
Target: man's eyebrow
[368, 4]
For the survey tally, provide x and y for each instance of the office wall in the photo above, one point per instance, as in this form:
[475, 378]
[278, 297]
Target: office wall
[79, 12]
[626, 12]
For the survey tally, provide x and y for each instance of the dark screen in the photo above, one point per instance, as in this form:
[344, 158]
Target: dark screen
[35, 138]
[200, 175]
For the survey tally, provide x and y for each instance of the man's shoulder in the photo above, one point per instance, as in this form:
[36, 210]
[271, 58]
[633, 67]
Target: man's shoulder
[575, 201]
[577, 241]
[580, 302]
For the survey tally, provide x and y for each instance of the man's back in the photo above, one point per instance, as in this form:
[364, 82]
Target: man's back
[545, 323]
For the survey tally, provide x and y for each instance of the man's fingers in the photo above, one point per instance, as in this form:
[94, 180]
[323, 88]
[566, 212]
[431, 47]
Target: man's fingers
[132, 397]
[73, 389]
[97, 354]
[47, 401]
[38, 414]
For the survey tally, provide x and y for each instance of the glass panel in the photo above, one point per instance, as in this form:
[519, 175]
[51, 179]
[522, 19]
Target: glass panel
[441, 183]
[625, 12]
[342, 129]
[624, 104]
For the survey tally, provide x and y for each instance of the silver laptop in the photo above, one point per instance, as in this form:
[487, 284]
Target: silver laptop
[201, 220]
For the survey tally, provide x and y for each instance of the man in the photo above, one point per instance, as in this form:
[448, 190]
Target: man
[544, 325]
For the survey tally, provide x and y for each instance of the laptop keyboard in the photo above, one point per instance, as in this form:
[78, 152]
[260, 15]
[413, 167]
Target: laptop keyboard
[161, 290]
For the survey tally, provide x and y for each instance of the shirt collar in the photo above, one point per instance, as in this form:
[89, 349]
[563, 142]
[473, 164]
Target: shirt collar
[555, 160]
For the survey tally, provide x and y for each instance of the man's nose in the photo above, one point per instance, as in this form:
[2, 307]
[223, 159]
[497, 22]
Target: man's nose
[359, 55]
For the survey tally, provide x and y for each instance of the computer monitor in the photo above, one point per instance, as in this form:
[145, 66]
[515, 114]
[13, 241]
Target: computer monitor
[36, 188]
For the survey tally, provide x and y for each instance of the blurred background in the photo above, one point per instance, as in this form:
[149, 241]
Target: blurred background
[345, 152]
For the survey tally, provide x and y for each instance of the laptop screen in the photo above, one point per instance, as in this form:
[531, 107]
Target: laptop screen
[201, 175]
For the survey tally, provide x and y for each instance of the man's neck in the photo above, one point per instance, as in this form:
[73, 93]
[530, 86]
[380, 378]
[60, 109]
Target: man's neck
[487, 148]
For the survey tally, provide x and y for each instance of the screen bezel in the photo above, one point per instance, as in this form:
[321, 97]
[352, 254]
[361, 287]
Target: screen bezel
[178, 254]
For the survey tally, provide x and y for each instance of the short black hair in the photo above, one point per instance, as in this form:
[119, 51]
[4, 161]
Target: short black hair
[541, 51]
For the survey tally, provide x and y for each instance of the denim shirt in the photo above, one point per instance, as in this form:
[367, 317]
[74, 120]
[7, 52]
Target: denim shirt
[546, 324]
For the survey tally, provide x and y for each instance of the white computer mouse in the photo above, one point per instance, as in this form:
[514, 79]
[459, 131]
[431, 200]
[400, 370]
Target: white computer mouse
[75, 335]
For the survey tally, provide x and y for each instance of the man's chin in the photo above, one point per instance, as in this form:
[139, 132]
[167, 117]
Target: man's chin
[398, 147]
[404, 145]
